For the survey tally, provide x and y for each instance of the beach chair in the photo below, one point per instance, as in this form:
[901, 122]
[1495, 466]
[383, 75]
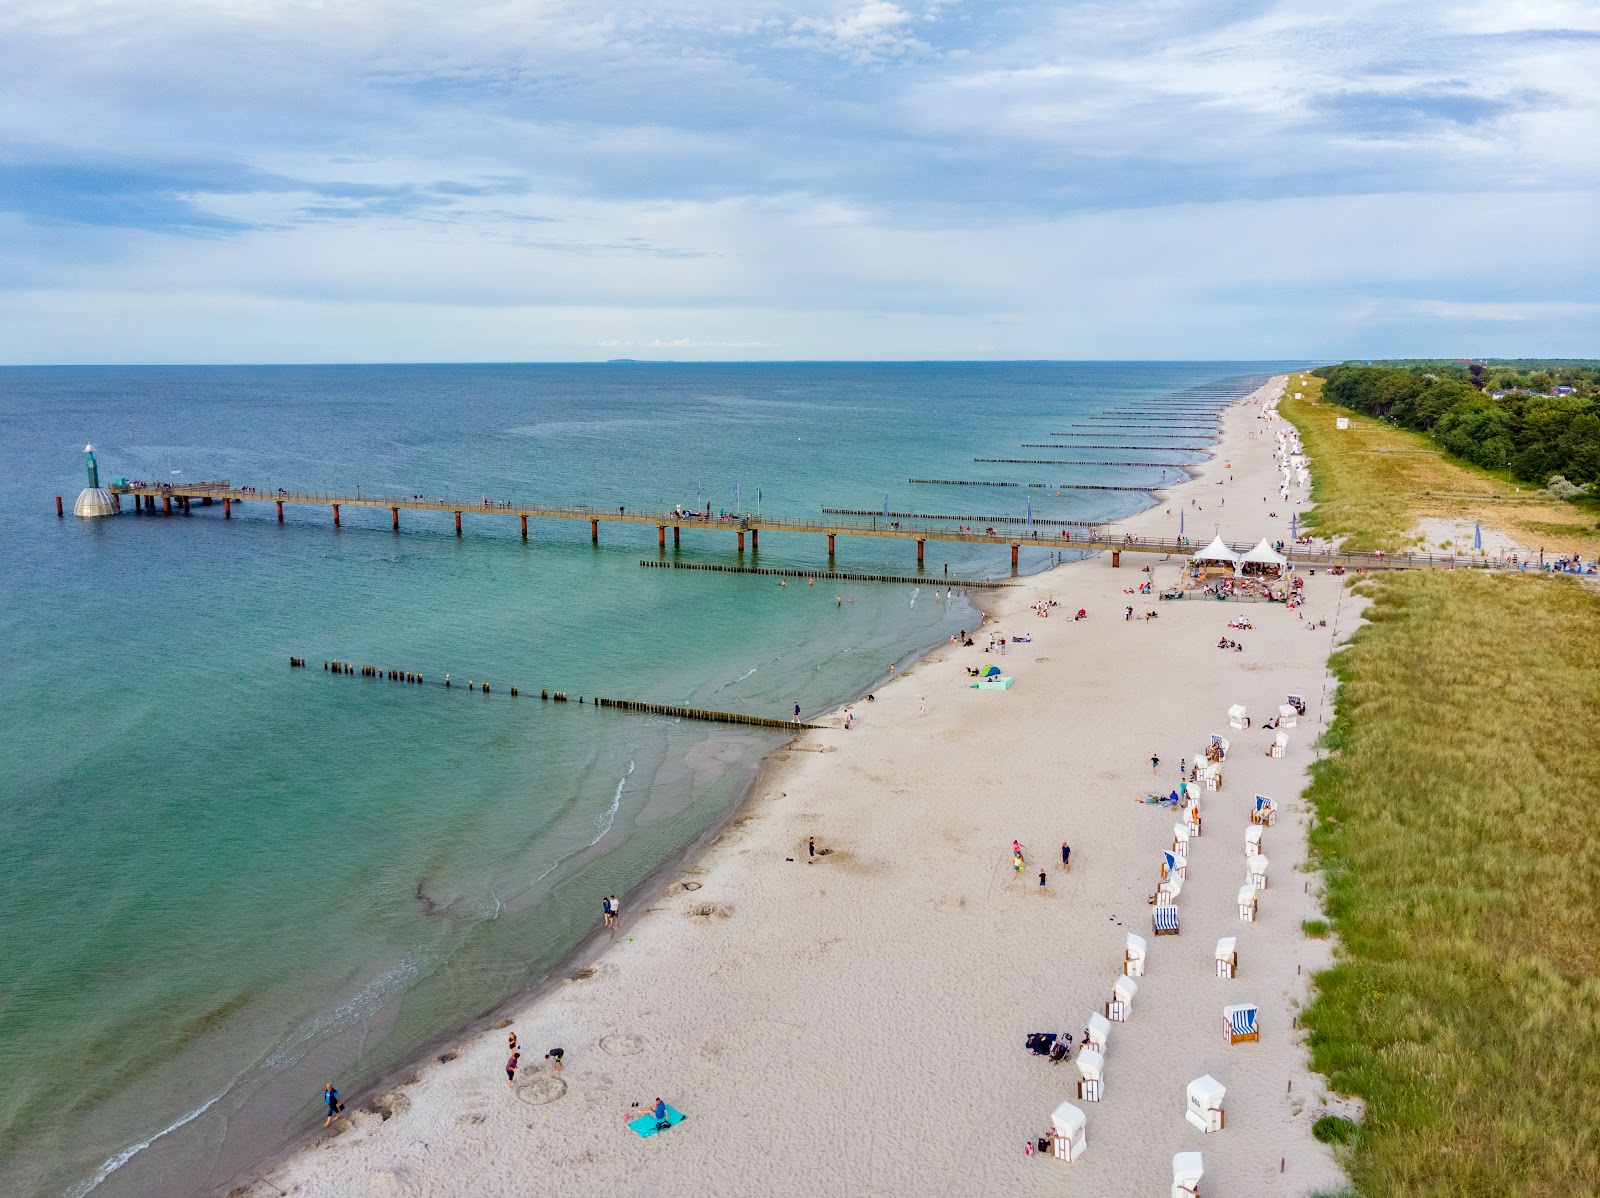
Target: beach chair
[1252, 840]
[1296, 702]
[1257, 866]
[1265, 813]
[1172, 864]
[1092, 1065]
[1239, 1023]
[1288, 715]
[1211, 776]
[1170, 889]
[1164, 919]
[1187, 1170]
[1122, 992]
[1191, 817]
[1280, 745]
[1247, 904]
[1228, 957]
[1237, 717]
[1099, 1029]
[1180, 840]
[1133, 956]
[1067, 1140]
[1204, 1108]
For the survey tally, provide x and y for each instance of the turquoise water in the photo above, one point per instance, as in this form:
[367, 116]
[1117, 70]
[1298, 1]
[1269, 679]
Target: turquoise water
[226, 882]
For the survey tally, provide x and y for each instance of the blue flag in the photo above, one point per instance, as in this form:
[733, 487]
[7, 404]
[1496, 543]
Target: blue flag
[1294, 526]
[1477, 535]
[1030, 513]
[736, 497]
[1180, 522]
[886, 506]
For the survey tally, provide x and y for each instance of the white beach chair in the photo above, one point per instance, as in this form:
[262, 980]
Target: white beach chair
[1211, 777]
[1191, 817]
[1172, 864]
[1187, 1170]
[1265, 812]
[1238, 717]
[1067, 1139]
[1252, 840]
[1247, 904]
[1180, 840]
[1133, 956]
[1164, 919]
[1280, 745]
[1099, 1029]
[1221, 742]
[1170, 889]
[1204, 1108]
[1257, 866]
[1122, 992]
[1288, 717]
[1092, 1065]
[1239, 1023]
[1228, 957]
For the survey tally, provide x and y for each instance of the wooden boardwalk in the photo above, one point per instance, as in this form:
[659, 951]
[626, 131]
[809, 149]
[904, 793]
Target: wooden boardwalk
[183, 497]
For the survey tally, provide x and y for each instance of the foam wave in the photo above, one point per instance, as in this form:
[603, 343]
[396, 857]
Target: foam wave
[113, 1163]
[604, 821]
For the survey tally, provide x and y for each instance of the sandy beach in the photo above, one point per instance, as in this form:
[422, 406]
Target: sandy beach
[854, 1025]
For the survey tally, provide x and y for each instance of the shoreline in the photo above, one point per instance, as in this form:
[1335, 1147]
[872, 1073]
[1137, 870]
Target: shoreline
[709, 854]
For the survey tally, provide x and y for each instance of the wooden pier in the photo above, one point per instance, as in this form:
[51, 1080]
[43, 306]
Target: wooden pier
[181, 497]
[914, 579]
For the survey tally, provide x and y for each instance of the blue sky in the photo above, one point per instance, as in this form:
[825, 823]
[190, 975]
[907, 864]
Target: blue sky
[236, 180]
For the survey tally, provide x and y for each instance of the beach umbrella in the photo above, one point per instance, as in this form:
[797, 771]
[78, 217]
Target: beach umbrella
[1477, 535]
[886, 505]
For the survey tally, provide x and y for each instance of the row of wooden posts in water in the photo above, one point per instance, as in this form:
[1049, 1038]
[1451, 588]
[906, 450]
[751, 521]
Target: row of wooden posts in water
[686, 713]
[979, 482]
[814, 574]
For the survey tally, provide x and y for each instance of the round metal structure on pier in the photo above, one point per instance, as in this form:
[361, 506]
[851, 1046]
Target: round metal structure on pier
[94, 500]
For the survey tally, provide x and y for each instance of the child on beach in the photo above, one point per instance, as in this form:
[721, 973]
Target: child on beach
[511, 1067]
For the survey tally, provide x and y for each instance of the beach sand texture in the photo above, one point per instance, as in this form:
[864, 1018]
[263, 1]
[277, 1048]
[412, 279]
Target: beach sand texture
[855, 1026]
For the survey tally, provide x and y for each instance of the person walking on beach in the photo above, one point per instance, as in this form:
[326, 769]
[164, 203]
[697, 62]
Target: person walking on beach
[848, 716]
[605, 912]
[1042, 887]
[1155, 763]
[1066, 855]
[511, 1067]
[922, 704]
[616, 913]
[331, 1097]
[811, 849]
[797, 713]
[1016, 866]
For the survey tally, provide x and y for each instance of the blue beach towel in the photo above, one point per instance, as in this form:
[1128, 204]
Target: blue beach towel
[646, 1125]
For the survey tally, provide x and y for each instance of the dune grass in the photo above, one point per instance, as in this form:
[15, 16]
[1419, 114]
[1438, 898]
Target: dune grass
[1372, 483]
[1457, 821]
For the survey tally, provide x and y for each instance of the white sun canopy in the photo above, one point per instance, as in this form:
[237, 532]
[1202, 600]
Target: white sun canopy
[1264, 554]
[1217, 552]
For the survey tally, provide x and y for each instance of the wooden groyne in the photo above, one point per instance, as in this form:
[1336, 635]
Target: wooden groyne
[957, 482]
[839, 574]
[1152, 448]
[846, 511]
[1068, 462]
[1141, 436]
[549, 696]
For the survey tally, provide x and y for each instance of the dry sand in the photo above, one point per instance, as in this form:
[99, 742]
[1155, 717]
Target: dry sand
[855, 1026]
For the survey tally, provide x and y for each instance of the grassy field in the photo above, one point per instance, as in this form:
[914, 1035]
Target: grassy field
[1373, 483]
[1457, 820]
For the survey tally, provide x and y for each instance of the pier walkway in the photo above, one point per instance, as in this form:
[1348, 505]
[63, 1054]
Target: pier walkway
[181, 497]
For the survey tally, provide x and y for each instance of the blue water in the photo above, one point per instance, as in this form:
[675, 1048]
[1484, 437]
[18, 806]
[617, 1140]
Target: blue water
[226, 881]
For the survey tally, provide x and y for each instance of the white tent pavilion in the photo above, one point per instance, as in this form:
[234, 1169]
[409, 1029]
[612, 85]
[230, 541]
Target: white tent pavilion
[1216, 552]
[1263, 556]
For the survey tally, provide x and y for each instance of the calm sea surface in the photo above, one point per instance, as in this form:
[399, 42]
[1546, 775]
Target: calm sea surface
[223, 882]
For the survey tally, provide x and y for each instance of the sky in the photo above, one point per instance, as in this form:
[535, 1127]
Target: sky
[411, 180]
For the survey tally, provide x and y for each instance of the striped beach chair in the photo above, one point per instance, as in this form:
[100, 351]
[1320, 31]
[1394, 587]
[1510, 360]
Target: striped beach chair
[1239, 1023]
[1265, 813]
[1164, 919]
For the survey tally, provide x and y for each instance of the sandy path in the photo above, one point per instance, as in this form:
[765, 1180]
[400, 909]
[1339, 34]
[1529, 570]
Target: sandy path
[855, 1026]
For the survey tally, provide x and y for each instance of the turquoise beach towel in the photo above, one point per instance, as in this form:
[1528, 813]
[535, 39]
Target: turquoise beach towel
[645, 1125]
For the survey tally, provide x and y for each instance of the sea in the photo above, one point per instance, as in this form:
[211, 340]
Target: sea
[225, 881]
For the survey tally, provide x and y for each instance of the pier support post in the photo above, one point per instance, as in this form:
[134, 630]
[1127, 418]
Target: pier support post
[1014, 549]
[661, 536]
[185, 501]
[594, 531]
[755, 539]
[227, 508]
[1116, 559]
[676, 535]
[60, 511]
[830, 545]
[921, 545]
[524, 526]
[280, 511]
[395, 513]
[166, 505]
[458, 524]
[336, 515]
[741, 540]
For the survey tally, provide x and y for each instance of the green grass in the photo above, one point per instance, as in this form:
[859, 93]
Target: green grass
[1457, 820]
[1317, 929]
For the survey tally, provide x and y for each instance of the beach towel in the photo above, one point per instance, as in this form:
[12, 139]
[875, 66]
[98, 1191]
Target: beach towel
[646, 1126]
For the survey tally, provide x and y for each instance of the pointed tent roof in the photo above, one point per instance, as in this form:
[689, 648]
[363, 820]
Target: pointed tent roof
[1264, 554]
[1217, 552]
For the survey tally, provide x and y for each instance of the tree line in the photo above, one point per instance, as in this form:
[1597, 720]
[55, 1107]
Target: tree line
[1512, 415]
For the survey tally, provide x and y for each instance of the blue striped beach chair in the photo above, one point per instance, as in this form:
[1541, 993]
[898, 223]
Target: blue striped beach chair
[1164, 919]
[1239, 1023]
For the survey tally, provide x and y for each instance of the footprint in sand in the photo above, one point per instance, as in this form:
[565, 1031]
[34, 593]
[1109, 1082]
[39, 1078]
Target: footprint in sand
[542, 1088]
[950, 906]
[622, 1044]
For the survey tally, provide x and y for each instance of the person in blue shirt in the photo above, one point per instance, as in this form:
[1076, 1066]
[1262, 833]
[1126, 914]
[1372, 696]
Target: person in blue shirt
[660, 1112]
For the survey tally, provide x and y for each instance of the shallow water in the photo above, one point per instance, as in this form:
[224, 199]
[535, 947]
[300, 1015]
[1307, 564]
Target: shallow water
[227, 881]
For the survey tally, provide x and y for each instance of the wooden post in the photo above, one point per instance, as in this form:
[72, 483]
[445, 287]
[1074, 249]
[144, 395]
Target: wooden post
[336, 515]
[280, 511]
[185, 501]
[830, 544]
[755, 539]
[676, 532]
[60, 511]
[1116, 559]
[661, 536]
[458, 524]
[921, 544]
[227, 508]
[594, 531]
[166, 505]
[524, 526]
[741, 540]
[1014, 549]
[394, 512]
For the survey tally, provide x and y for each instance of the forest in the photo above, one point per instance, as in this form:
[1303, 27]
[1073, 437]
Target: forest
[1532, 418]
